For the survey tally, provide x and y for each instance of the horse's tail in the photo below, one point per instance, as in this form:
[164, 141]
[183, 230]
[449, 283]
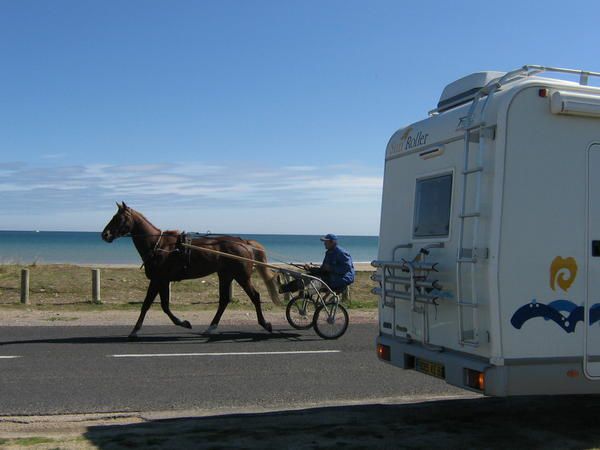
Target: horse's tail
[269, 276]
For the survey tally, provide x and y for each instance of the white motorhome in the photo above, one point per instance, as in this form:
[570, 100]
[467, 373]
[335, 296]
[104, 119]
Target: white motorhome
[489, 253]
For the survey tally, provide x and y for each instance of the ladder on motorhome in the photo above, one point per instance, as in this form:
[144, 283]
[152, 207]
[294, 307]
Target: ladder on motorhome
[468, 256]
[471, 256]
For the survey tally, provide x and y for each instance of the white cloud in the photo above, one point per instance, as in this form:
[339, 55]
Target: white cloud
[196, 188]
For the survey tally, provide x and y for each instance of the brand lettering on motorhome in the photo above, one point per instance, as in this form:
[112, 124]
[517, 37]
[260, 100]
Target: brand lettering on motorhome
[415, 141]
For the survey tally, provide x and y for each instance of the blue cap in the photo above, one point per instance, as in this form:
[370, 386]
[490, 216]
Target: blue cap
[329, 237]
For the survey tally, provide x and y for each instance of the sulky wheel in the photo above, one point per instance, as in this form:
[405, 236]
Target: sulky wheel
[300, 312]
[331, 321]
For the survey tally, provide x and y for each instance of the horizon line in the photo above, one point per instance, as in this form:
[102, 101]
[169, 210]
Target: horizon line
[191, 232]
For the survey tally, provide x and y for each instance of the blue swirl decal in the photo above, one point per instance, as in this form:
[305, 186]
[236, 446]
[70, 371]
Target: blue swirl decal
[563, 305]
[594, 313]
[554, 311]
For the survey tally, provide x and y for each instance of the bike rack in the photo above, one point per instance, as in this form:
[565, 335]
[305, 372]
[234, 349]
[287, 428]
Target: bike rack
[414, 285]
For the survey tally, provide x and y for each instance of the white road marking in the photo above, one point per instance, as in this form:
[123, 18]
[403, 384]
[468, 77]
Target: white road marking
[10, 357]
[163, 355]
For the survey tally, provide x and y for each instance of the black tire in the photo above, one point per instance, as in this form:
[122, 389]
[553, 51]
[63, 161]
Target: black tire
[328, 329]
[300, 312]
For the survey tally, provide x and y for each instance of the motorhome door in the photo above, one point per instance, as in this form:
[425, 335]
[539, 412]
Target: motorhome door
[591, 324]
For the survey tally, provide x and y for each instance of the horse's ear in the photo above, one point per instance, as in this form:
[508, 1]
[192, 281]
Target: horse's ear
[119, 206]
[125, 207]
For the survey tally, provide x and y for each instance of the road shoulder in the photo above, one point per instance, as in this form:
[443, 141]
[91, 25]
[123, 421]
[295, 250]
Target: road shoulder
[55, 317]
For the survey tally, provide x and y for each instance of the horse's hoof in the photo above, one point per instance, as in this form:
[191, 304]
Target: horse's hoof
[186, 324]
[211, 329]
[267, 326]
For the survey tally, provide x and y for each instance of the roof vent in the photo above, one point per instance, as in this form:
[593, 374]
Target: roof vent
[464, 89]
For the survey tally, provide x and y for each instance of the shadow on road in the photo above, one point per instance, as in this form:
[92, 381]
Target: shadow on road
[541, 422]
[200, 338]
[240, 336]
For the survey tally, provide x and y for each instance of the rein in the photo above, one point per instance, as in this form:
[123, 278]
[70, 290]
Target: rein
[283, 259]
[182, 242]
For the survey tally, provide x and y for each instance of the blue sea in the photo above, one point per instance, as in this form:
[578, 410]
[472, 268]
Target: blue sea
[50, 247]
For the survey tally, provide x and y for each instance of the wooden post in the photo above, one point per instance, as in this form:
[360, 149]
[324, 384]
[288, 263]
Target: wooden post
[346, 295]
[96, 286]
[286, 295]
[25, 286]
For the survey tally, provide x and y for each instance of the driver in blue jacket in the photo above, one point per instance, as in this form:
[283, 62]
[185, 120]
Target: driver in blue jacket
[336, 270]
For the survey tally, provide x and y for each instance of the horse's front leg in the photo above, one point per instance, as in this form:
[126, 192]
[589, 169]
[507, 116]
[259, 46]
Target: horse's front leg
[224, 299]
[150, 296]
[165, 296]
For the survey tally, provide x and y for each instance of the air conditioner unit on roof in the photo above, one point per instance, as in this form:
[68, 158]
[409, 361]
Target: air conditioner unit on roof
[464, 89]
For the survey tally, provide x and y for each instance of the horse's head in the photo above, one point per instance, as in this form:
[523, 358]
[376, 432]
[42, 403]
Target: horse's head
[120, 225]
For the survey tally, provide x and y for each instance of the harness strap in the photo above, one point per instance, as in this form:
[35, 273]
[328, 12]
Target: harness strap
[157, 242]
[154, 250]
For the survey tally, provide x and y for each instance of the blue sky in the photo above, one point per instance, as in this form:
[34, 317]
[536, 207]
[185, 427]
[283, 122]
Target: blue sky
[240, 116]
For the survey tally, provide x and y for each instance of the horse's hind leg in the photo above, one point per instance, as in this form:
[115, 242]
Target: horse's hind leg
[165, 296]
[150, 296]
[224, 299]
[246, 284]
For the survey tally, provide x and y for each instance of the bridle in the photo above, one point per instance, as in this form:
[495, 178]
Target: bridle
[121, 232]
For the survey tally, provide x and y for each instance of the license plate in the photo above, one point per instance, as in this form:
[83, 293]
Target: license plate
[430, 368]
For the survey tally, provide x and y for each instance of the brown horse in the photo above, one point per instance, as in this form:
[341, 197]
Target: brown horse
[165, 260]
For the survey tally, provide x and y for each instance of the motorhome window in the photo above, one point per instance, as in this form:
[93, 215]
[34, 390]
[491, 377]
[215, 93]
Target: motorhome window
[432, 207]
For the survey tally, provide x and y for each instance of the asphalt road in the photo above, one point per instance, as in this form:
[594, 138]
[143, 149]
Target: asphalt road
[75, 369]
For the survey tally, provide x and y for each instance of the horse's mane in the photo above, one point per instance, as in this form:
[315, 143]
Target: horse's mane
[134, 211]
[165, 232]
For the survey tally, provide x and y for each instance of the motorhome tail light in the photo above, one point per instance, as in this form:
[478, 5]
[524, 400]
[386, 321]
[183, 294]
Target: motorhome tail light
[543, 92]
[475, 379]
[383, 352]
[572, 373]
